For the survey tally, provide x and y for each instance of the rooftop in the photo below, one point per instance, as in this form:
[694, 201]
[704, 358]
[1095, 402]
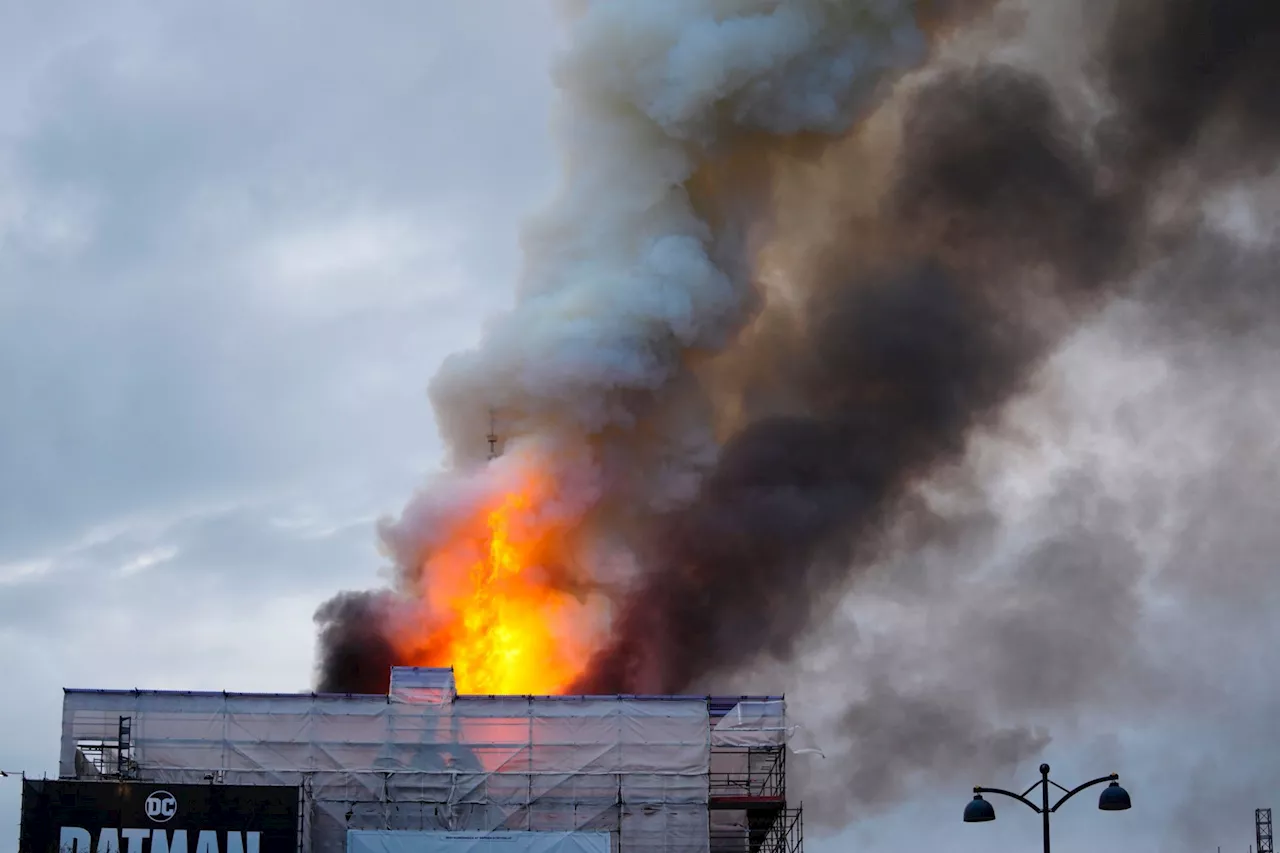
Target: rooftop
[408, 681]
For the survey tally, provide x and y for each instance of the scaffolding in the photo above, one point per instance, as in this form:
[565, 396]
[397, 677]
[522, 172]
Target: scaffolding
[671, 774]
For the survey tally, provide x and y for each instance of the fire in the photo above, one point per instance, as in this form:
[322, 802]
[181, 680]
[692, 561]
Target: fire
[493, 609]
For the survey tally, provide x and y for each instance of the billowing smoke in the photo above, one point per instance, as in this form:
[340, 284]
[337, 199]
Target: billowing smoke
[356, 655]
[920, 326]
[890, 365]
[627, 281]
[810, 259]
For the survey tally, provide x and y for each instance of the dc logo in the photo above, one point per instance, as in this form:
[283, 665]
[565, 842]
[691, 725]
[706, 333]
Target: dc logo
[161, 806]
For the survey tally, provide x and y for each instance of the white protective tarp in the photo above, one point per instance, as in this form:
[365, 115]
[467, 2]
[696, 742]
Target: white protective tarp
[638, 767]
[422, 685]
[752, 723]
[366, 841]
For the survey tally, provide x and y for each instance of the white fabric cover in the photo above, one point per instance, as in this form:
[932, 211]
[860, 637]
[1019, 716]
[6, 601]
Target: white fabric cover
[373, 841]
[637, 767]
[422, 685]
[752, 723]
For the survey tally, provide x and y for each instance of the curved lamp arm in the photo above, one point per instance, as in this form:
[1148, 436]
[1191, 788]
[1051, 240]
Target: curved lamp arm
[1020, 798]
[1112, 777]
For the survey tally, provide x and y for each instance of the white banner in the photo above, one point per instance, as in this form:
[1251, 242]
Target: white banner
[395, 841]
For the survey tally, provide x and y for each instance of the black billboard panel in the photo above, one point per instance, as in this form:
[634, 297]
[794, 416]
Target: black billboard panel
[63, 816]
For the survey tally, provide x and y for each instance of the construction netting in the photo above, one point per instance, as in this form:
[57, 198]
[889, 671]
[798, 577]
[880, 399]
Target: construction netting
[427, 760]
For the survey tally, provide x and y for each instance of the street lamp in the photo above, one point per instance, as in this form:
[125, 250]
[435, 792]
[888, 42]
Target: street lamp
[1112, 799]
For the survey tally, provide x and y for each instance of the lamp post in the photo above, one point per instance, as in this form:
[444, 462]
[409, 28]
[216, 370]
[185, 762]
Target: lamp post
[1112, 799]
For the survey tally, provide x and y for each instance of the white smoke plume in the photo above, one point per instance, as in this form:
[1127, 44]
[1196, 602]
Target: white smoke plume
[621, 280]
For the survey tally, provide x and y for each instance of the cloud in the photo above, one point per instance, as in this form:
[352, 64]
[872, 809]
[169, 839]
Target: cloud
[234, 244]
[220, 230]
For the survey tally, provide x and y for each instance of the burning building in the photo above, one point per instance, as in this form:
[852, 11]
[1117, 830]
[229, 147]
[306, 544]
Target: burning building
[419, 768]
[804, 253]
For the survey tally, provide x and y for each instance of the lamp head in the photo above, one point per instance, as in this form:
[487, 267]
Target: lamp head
[979, 810]
[1114, 798]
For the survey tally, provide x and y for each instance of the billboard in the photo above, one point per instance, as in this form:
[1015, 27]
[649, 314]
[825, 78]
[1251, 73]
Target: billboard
[64, 816]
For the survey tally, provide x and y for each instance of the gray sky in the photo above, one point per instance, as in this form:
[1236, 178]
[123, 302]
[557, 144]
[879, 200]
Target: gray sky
[235, 242]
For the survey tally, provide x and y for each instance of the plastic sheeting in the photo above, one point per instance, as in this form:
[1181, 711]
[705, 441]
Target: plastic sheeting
[752, 723]
[635, 767]
[422, 685]
[365, 841]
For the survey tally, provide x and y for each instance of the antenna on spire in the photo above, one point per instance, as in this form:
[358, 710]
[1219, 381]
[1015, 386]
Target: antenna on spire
[493, 435]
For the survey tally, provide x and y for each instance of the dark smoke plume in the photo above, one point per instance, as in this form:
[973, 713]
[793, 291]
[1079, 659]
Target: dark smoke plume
[1179, 68]
[356, 656]
[897, 366]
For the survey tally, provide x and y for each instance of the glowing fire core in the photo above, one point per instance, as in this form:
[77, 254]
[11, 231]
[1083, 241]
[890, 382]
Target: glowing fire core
[491, 608]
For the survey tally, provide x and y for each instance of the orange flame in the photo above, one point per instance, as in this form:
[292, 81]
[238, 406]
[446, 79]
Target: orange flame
[493, 609]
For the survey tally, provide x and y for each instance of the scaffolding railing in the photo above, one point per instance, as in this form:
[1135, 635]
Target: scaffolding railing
[780, 831]
[750, 772]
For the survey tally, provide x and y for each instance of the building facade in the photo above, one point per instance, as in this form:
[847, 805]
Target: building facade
[423, 766]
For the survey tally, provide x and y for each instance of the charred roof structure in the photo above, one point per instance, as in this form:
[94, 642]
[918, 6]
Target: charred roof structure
[421, 765]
